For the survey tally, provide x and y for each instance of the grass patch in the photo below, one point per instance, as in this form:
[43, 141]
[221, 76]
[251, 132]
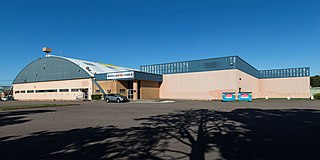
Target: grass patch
[6, 108]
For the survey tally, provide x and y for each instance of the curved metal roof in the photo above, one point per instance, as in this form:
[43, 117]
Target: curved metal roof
[61, 68]
[97, 68]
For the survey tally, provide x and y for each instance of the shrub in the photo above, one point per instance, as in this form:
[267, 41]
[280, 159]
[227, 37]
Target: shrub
[96, 96]
[317, 96]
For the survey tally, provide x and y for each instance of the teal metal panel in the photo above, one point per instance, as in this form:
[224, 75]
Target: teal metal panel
[137, 76]
[50, 69]
[223, 63]
[285, 73]
[245, 67]
[191, 66]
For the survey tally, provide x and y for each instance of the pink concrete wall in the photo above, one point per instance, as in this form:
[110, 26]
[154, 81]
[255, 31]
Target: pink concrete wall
[198, 85]
[210, 85]
[66, 84]
[297, 87]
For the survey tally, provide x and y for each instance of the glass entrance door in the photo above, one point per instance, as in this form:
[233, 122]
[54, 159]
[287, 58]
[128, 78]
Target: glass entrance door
[130, 93]
[84, 94]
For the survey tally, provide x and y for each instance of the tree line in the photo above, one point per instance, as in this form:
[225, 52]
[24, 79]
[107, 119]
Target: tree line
[315, 81]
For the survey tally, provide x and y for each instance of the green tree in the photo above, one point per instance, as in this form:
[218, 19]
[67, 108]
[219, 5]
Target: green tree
[315, 81]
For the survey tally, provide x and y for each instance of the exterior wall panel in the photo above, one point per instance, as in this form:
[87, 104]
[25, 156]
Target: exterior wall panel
[114, 86]
[122, 85]
[210, 85]
[200, 85]
[298, 87]
[149, 90]
[107, 85]
[248, 83]
[52, 85]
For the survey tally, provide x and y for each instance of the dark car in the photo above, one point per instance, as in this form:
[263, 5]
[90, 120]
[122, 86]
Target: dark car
[115, 98]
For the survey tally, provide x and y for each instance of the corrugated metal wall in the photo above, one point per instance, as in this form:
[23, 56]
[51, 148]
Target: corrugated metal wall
[224, 63]
[284, 73]
[191, 66]
[246, 67]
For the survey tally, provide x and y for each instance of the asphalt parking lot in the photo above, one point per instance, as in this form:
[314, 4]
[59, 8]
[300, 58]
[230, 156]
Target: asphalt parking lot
[273, 129]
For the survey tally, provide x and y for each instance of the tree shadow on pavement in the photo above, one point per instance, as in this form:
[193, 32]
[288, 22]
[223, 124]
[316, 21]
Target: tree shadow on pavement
[273, 134]
[17, 117]
[186, 134]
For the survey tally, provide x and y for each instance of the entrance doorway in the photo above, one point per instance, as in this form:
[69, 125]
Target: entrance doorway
[130, 93]
[84, 94]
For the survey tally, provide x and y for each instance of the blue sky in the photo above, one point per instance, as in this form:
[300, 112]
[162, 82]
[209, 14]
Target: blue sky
[267, 33]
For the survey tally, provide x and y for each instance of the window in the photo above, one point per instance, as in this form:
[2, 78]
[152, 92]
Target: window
[30, 91]
[16, 92]
[122, 91]
[97, 91]
[44, 91]
[63, 90]
[23, 91]
[74, 90]
[52, 90]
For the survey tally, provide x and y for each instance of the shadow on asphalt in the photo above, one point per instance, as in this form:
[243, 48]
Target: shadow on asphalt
[17, 117]
[239, 134]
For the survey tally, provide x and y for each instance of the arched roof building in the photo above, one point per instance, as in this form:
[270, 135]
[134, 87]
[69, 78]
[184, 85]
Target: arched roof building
[61, 78]
[54, 68]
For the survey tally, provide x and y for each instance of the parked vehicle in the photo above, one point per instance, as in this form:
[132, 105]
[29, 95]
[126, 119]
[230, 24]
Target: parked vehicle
[7, 98]
[115, 98]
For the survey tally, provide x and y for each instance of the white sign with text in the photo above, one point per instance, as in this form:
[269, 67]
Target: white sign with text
[120, 75]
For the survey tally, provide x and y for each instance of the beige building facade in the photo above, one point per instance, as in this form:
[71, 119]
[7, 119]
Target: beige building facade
[210, 85]
[55, 78]
[64, 90]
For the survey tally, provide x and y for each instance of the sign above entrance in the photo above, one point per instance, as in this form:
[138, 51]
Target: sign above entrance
[120, 75]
